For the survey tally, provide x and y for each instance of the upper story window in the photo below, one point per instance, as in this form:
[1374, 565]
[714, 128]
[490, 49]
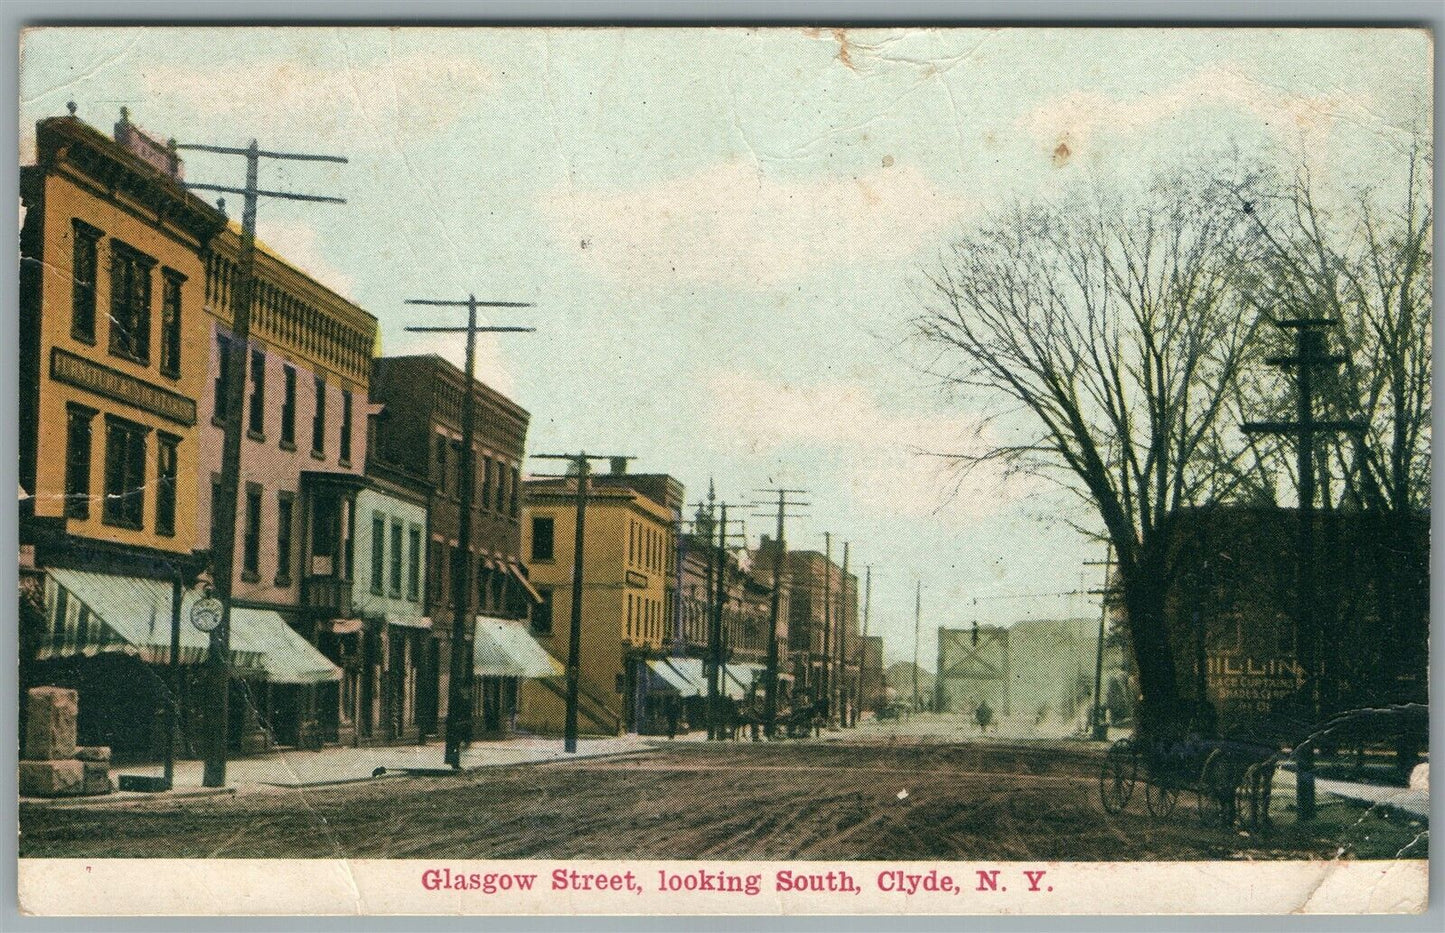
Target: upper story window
[223, 373]
[486, 484]
[318, 421]
[170, 362]
[542, 612]
[543, 530]
[166, 471]
[257, 423]
[440, 457]
[516, 498]
[84, 266]
[130, 302]
[345, 426]
[413, 564]
[77, 460]
[125, 479]
[288, 407]
[378, 552]
[395, 564]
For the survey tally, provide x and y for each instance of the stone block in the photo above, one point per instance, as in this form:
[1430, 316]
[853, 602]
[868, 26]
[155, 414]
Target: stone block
[97, 778]
[64, 778]
[50, 723]
[100, 753]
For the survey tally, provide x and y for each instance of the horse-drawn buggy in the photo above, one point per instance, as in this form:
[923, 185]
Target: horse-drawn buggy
[1230, 779]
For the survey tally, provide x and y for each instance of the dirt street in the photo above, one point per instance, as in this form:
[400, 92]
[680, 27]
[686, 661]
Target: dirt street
[826, 800]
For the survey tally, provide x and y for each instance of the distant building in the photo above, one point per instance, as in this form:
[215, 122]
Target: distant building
[900, 680]
[418, 431]
[823, 608]
[390, 684]
[746, 619]
[627, 595]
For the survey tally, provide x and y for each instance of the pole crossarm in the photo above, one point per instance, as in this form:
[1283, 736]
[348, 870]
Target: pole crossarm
[447, 303]
[263, 153]
[286, 195]
[420, 329]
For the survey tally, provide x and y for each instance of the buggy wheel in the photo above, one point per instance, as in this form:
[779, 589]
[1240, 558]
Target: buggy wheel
[1161, 799]
[1214, 790]
[1117, 776]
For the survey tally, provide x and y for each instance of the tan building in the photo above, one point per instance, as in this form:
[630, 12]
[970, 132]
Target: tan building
[112, 339]
[629, 562]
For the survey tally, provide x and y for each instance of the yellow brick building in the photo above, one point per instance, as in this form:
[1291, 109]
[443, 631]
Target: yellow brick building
[113, 342]
[627, 598]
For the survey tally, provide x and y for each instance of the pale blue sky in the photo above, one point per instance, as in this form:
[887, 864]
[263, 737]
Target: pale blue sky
[719, 227]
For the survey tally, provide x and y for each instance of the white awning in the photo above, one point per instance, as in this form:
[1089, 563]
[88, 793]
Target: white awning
[504, 648]
[407, 621]
[691, 670]
[92, 613]
[739, 681]
[671, 680]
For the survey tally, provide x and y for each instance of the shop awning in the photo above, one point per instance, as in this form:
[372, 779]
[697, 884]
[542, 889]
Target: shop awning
[515, 569]
[692, 670]
[92, 613]
[739, 681]
[407, 621]
[504, 648]
[670, 680]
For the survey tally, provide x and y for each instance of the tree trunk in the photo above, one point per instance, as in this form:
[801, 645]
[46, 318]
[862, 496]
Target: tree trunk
[1159, 706]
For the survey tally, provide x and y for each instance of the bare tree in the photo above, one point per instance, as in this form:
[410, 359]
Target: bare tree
[1113, 329]
[1366, 263]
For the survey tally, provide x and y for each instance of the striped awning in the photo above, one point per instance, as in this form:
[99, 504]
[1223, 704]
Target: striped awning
[95, 613]
[504, 648]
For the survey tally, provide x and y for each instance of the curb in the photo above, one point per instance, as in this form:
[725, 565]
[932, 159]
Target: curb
[115, 800]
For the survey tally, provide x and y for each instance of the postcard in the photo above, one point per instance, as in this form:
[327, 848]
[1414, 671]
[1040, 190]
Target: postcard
[724, 471]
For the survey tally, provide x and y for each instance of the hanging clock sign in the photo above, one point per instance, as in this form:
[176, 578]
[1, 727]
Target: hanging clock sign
[206, 613]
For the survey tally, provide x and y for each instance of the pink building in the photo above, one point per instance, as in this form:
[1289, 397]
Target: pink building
[302, 461]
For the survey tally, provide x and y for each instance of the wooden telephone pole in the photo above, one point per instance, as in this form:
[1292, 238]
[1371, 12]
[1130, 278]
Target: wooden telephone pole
[841, 680]
[459, 687]
[917, 634]
[770, 687]
[582, 462]
[237, 353]
[1309, 355]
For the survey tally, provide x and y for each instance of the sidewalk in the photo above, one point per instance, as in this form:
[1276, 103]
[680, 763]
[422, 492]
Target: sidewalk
[335, 765]
[1411, 801]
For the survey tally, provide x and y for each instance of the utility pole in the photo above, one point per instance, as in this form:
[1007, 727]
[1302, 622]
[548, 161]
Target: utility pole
[459, 691]
[582, 461]
[1099, 723]
[841, 679]
[237, 354]
[863, 654]
[917, 634]
[715, 684]
[824, 686]
[1309, 355]
[770, 687]
[717, 588]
